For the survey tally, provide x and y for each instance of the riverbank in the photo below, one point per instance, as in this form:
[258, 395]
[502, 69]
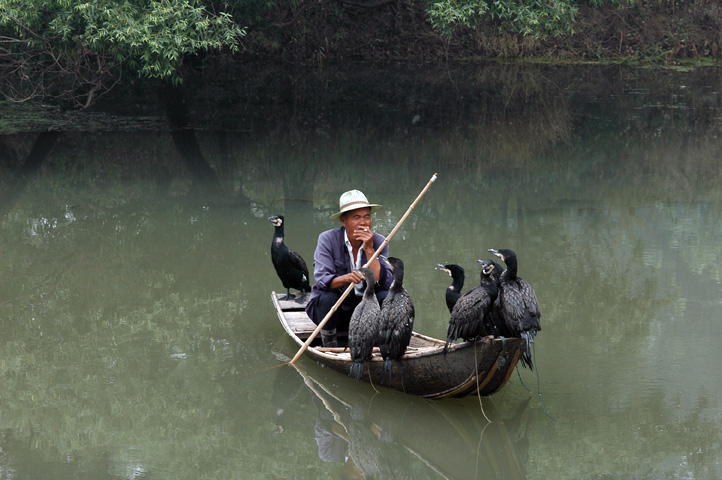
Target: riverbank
[321, 32]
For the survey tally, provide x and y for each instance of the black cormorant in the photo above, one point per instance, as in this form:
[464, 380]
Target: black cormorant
[470, 317]
[363, 327]
[396, 320]
[290, 267]
[494, 319]
[518, 304]
[453, 291]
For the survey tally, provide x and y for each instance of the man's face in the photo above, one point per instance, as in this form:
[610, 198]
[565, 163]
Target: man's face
[358, 219]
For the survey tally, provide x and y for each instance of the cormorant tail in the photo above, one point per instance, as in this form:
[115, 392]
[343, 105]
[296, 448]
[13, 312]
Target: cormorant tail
[528, 337]
[386, 370]
[356, 371]
[526, 361]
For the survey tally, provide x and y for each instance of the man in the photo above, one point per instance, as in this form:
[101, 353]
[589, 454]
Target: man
[338, 253]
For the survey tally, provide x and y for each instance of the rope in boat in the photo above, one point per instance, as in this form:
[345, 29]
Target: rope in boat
[371, 381]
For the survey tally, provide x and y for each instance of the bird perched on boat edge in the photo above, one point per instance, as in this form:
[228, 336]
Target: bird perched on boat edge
[363, 327]
[470, 317]
[290, 267]
[453, 291]
[396, 319]
[518, 303]
[494, 319]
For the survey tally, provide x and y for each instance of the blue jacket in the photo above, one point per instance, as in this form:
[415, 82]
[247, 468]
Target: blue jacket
[331, 259]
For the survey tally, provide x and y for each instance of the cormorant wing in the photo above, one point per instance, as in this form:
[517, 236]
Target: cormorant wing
[468, 310]
[298, 262]
[512, 303]
[530, 300]
[396, 324]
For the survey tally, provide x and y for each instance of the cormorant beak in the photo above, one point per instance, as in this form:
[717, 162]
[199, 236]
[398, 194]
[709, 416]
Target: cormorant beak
[486, 266]
[275, 221]
[387, 262]
[496, 252]
[442, 268]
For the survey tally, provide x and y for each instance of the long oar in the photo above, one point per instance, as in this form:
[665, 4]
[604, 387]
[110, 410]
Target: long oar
[370, 260]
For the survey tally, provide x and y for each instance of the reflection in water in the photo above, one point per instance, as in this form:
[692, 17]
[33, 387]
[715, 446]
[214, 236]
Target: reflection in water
[42, 146]
[388, 435]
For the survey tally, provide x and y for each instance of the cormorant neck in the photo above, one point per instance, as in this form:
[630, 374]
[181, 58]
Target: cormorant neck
[457, 283]
[370, 285]
[510, 267]
[370, 289]
[398, 283]
[489, 283]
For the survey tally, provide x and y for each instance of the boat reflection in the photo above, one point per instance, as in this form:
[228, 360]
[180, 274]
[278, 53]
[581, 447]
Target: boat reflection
[389, 435]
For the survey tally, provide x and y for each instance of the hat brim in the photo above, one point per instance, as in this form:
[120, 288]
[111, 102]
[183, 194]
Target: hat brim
[373, 207]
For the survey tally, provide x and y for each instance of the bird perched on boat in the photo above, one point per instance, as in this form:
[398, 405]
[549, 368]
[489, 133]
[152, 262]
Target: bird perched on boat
[494, 319]
[471, 316]
[290, 267]
[453, 291]
[396, 319]
[518, 304]
[363, 327]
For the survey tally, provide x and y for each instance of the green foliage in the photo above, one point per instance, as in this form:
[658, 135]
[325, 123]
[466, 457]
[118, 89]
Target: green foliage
[150, 37]
[539, 18]
[447, 14]
[91, 43]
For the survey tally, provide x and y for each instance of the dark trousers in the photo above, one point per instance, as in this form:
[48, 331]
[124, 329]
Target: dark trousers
[342, 316]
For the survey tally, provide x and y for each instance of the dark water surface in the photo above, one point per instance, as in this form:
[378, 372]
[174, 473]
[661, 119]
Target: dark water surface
[137, 337]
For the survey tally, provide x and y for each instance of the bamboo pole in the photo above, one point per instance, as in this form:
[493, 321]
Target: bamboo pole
[370, 260]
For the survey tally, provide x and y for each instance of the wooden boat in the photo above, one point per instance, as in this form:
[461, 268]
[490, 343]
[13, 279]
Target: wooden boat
[480, 367]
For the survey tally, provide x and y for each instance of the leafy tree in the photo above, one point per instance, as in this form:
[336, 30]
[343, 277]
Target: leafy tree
[81, 49]
[540, 18]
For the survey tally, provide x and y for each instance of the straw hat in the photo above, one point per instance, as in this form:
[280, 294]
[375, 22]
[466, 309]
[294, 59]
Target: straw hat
[352, 200]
